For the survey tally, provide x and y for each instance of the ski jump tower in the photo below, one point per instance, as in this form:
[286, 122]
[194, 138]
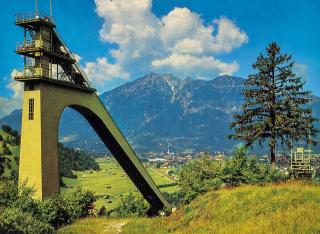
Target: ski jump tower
[53, 81]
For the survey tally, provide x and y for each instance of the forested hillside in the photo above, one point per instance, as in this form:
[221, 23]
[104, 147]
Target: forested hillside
[69, 159]
[74, 160]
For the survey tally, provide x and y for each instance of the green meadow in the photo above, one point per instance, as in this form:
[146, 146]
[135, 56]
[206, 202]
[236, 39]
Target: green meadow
[111, 182]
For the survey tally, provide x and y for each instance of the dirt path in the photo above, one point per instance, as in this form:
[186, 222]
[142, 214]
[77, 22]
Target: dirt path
[114, 227]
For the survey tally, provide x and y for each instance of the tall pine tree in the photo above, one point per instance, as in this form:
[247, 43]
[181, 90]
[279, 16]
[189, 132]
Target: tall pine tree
[275, 107]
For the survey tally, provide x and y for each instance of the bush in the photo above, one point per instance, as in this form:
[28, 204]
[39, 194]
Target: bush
[58, 210]
[15, 220]
[199, 176]
[24, 200]
[53, 211]
[8, 191]
[132, 206]
[14, 175]
[102, 211]
[239, 169]
[204, 174]
[242, 169]
[78, 203]
[174, 198]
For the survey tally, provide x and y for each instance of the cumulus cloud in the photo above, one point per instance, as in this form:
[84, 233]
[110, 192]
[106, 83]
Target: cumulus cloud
[15, 87]
[189, 64]
[179, 42]
[101, 70]
[8, 104]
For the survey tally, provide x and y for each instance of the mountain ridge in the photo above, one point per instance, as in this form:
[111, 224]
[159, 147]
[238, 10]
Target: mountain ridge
[160, 111]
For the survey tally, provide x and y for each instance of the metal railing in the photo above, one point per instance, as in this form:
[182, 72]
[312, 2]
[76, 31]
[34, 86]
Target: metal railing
[32, 71]
[32, 44]
[26, 17]
[29, 44]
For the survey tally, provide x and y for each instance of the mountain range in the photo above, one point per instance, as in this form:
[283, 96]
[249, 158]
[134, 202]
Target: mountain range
[160, 112]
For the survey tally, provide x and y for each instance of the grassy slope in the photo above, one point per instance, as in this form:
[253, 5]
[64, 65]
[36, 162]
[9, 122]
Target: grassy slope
[287, 208]
[111, 174]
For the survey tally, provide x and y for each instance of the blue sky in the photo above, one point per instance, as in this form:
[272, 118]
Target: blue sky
[121, 40]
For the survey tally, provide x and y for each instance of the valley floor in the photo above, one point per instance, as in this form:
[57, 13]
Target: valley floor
[111, 182]
[292, 207]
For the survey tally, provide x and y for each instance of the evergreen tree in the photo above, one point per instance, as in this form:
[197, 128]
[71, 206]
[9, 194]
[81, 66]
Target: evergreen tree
[275, 107]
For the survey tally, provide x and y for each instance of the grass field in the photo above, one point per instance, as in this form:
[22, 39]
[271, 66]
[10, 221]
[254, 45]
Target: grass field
[286, 208]
[111, 181]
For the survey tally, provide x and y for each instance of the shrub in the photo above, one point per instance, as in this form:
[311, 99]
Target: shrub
[242, 169]
[132, 206]
[58, 210]
[15, 220]
[102, 211]
[174, 198]
[78, 203]
[198, 176]
[23, 199]
[204, 174]
[14, 175]
[8, 193]
[239, 170]
[54, 212]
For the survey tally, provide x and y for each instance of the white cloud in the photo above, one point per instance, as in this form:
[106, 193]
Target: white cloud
[146, 42]
[101, 71]
[229, 36]
[191, 65]
[15, 87]
[8, 104]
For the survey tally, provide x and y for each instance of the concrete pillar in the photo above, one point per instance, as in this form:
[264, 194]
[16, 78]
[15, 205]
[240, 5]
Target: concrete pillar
[39, 139]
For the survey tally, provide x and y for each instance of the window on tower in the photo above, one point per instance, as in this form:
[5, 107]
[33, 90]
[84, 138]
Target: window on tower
[31, 109]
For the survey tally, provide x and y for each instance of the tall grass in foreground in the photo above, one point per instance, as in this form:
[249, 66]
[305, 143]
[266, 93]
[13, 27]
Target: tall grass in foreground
[286, 208]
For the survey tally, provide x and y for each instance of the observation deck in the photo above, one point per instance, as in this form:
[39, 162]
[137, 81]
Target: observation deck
[46, 56]
[34, 18]
[32, 48]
